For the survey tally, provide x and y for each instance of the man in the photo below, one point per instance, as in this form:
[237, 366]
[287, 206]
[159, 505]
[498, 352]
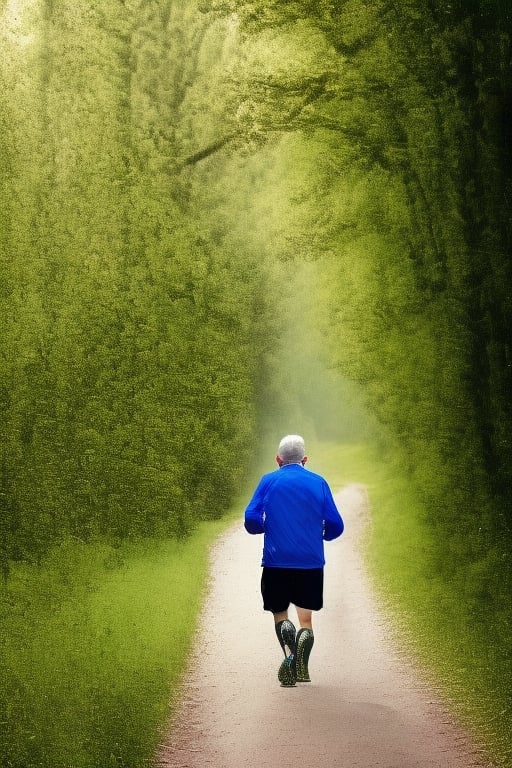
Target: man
[295, 511]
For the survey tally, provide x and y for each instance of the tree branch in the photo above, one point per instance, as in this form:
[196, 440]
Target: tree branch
[207, 151]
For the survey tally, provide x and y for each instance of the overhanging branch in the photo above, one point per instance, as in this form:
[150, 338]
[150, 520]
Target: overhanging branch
[207, 151]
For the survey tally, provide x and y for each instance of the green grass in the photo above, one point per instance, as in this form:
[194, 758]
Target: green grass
[93, 647]
[446, 626]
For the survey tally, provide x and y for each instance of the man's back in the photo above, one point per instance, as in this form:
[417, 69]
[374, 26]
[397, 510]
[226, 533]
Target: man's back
[295, 510]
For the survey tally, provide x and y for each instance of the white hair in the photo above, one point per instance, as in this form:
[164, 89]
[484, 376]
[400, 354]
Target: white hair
[291, 449]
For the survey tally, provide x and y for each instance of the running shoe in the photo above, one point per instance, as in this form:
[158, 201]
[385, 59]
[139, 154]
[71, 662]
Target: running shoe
[305, 640]
[287, 674]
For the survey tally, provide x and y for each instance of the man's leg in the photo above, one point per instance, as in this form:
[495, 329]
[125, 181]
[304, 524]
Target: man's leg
[305, 617]
[285, 631]
[274, 590]
[304, 644]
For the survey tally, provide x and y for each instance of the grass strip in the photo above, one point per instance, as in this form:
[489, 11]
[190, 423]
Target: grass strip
[94, 644]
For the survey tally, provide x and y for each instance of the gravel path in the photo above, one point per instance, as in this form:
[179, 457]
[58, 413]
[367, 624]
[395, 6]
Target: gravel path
[365, 708]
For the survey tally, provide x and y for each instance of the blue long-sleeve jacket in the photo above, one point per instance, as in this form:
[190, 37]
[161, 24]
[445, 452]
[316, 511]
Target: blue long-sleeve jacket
[295, 510]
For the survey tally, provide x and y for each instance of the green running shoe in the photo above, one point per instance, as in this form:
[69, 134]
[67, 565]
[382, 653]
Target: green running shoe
[304, 643]
[287, 674]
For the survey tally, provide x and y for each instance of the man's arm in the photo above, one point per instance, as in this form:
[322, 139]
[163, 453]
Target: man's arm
[255, 512]
[333, 523]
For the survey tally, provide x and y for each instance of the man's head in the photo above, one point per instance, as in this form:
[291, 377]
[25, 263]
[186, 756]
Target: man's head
[291, 451]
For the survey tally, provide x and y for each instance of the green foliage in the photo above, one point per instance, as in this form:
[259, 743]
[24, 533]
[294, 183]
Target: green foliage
[94, 643]
[128, 345]
[396, 145]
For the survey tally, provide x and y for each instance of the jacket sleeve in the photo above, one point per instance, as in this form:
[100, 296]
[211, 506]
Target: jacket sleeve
[333, 522]
[255, 511]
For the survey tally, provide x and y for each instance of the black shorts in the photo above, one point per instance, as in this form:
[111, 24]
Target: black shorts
[303, 587]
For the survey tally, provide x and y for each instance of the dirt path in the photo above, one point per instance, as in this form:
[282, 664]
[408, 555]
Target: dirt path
[365, 706]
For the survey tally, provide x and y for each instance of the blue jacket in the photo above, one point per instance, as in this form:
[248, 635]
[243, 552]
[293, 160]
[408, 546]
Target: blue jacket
[295, 510]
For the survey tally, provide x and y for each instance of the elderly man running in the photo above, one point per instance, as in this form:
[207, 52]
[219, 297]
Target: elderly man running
[295, 511]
